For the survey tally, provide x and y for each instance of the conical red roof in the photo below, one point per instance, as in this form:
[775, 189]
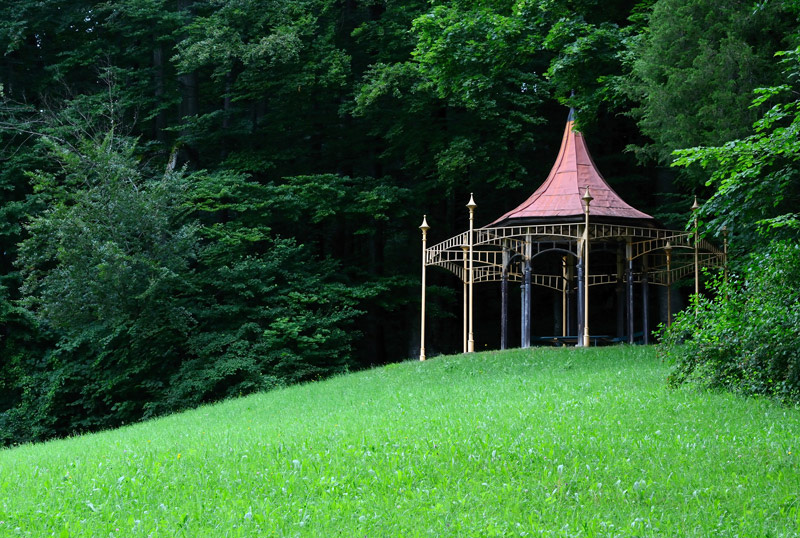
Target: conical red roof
[559, 197]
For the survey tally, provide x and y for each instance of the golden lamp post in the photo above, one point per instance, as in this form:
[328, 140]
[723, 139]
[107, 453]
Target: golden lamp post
[725, 253]
[424, 227]
[587, 198]
[471, 205]
[465, 336]
[695, 207]
[668, 252]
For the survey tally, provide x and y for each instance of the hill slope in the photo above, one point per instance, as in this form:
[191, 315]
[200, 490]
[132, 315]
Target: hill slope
[543, 442]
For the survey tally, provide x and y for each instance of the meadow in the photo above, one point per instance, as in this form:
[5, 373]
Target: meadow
[538, 442]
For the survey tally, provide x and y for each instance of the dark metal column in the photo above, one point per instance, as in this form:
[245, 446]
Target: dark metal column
[504, 298]
[620, 289]
[504, 310]
[630, 301]
[645, 303]
[570, 322]
[526, 305]
[522, 312]
[571, 330]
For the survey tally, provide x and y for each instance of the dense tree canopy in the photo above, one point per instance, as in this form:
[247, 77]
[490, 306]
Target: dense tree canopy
[695, 67]
[205, 199]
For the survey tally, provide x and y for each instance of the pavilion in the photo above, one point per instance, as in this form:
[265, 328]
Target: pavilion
[573, 214]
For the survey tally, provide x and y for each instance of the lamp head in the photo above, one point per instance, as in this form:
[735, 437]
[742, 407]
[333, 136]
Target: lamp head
[587, 199]
[424, 226]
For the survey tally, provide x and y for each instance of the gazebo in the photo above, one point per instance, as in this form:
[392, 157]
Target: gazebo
[573, 214]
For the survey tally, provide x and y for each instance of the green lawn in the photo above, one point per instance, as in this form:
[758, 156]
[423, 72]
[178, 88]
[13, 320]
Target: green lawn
[542, 442]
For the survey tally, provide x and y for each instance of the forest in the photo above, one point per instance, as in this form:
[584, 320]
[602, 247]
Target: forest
[202, 199]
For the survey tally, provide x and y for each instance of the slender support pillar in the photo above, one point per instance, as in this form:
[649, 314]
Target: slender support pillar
[586, 287]
[725, 258]
[695, 207]
[571, 328]
[668, 252]
[587, 199]
[580, 289]
[571, 318]
[629, 256]
[424, 227]
[669, 304]
[523, 312]
[696, 264]
[471, 205]
[465, 336]
[620, 289]
[504, 301]
[564, 287]
[558, 313]
[526, 306]
[645, 304]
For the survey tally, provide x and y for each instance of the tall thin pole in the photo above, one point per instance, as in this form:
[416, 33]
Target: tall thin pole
[695, 207]
[465, 248]
[725, 254]
[668, 250]
[424, 227]
[629, 288]
[620, 292]
[570, 294]
[504, 298]
[579, 302]
[587, 198]
[471, 205]
[645, 302]
[526, 298]
[564, 296]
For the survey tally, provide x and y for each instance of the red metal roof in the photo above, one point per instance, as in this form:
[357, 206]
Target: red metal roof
[559, 197]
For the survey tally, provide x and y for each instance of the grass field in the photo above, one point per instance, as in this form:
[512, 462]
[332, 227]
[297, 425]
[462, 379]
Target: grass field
[541, 442]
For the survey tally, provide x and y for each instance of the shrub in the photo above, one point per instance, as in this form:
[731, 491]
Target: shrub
[746, 339]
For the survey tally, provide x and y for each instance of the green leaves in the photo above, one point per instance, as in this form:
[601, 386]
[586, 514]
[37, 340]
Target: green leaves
[696, 67]
[587, 57]
[756, 177]
[746, 340]
[320, 198]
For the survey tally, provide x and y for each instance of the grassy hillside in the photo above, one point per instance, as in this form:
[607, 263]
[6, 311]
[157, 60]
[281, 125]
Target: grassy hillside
[544, 442]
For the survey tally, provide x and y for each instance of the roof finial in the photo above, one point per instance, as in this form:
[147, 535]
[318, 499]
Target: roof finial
[571, 116]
